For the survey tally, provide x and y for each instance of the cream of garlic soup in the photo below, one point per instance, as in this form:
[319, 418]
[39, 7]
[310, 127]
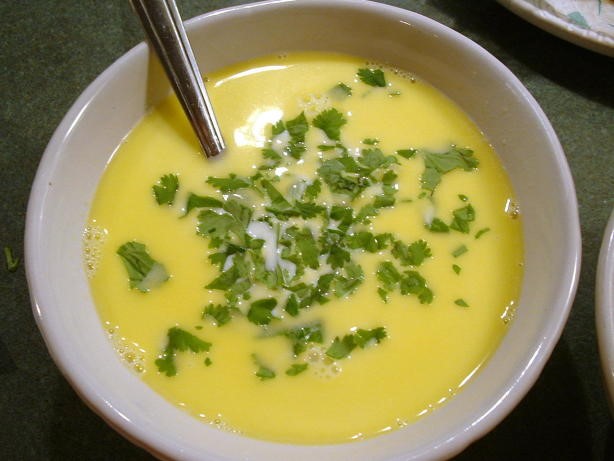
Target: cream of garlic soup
[343, 269]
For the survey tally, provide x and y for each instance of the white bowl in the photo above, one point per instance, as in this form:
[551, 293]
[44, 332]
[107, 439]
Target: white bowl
[114, 103]
[604, 304]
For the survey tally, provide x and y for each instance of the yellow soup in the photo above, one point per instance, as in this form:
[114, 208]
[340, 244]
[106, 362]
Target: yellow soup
[344, 268]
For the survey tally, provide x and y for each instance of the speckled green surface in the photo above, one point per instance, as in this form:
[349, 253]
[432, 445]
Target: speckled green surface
[49, 52]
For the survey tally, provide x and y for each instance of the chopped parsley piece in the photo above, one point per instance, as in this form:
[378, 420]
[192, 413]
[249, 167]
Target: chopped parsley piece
[263, 371]
[372, 77]
[461, 302]
[407, 153]
[208, 362]
[456, 268]
[460, 251]
[11, 261]
[370, 141]
[481, 232]
[178, 340]
[341, 90]
[230, 184]
[302, 336]
[462, 217]
[296, 368]
[411, 255]
[201, 201]
[164, 191]
[343, 347]
[220, 313]
[437, 225]
[144, 272]
[409, 282]
[330, 121]
[261, 311]
[437, 164]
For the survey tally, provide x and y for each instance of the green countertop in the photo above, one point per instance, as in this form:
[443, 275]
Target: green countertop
[50, 50]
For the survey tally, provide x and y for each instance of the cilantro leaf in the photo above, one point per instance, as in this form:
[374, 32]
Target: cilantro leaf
[263, 371]
[260, 312]
[437, 225]
[372, 77]
[462, 217]
[302, 336]
[413, 254]
[362, 338]
[341, 90]
[341, 347]
[144, 272]
[413, 283]
[178, 340]
[164, 191]
[298, 127]
[437, 164]
[201, 201]
[218, 312]
[330, 121]
[388, 275]
[230, 184]
[407, 153]
[481, 232]
[296, 368]
[313, 190]
[460, 251]
[344, 286]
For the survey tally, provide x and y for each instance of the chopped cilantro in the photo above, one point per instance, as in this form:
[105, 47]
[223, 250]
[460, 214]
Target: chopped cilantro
[263, 371]
[302, 336]
[178, 340]
[341, 90]
[461, 302]
[164, 191]
[330, 121]
[481, 232]
[437, 225]
[296, 368]
[388, 275]
[462, 217]
[456, 268]
[201, 201]
[208, 362]
[372, 77]
[407, 153]
[460, 251]
[343, 347]
[411, 255]
[261, 311]
[222, 314]
[370, 141]
[437, 164]
[144, 272]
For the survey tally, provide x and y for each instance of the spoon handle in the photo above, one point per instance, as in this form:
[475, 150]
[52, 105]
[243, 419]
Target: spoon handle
[164, 28]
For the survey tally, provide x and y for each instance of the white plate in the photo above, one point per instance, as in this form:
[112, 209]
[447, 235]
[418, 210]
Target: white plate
[604, 317]
[589, 24]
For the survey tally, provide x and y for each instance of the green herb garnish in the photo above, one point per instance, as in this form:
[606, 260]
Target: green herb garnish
[372, 77]
[164, 191]
[178, 340]
[144, 272]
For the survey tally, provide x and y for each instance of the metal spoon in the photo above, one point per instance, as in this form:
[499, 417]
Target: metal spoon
[164, 28]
